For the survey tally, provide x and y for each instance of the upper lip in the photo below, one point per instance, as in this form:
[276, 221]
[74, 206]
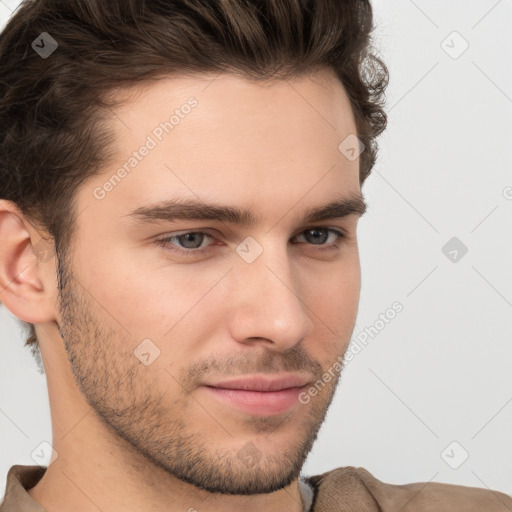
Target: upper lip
[263, 382]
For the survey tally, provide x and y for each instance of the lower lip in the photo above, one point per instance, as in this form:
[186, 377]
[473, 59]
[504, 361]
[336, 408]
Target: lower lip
[262, 403]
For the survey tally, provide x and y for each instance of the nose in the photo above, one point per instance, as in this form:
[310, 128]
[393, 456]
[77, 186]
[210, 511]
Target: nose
[268, 306]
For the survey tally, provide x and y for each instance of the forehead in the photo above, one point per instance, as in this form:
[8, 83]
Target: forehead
[231, 140]
[216, 106]
[224, 89]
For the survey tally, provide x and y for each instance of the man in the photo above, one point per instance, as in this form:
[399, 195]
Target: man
[179, 200]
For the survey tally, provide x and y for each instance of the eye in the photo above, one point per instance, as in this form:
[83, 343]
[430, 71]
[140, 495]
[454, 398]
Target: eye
[191, 240]
[312, 234]
[190, 243]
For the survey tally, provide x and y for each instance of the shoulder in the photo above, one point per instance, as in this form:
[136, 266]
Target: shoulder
[357, 487]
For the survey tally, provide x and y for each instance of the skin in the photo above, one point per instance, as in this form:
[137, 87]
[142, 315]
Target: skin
[132, 437]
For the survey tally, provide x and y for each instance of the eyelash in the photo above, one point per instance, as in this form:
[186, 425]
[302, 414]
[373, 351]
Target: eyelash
[166, 242]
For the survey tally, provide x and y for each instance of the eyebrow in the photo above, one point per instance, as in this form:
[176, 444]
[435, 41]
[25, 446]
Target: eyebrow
[193, 210]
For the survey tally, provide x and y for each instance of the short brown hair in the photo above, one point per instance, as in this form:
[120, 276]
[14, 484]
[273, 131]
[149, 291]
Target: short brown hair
[52, 136]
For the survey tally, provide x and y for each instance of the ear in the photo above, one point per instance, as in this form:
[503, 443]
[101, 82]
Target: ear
[28, 279]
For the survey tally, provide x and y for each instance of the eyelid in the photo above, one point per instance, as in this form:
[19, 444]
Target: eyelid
[164, 241]
[337, 229]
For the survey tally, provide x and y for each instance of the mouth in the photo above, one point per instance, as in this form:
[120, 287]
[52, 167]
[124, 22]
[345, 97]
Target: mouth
[258, 394]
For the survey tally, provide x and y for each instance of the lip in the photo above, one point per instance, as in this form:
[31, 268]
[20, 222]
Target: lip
[259, 395]
[263, 383]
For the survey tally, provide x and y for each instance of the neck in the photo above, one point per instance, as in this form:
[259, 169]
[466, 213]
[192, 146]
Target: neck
[89, 477]
[96, 470]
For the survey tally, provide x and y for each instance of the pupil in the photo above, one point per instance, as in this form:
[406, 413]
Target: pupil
[188, 236]
[317, 231]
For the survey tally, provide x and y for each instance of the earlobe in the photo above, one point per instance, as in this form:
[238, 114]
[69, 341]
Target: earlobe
[27, 264]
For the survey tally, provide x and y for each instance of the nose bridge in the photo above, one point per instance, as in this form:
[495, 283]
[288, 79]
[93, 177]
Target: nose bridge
[268, 301]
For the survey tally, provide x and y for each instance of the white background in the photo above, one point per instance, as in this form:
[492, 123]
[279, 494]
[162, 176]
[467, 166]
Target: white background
[441, 370]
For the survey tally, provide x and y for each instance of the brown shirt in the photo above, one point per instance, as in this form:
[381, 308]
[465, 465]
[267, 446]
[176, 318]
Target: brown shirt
[346, 489]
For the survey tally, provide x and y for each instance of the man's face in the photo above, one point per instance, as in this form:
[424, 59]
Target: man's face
[150, 327]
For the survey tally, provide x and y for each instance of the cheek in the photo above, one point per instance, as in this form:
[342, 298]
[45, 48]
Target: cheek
[345, 297]
[333, 303]
[334, 294]
[143, 295]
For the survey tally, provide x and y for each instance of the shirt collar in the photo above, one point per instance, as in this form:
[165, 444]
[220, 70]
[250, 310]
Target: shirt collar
[308, 493]
[19, 479]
